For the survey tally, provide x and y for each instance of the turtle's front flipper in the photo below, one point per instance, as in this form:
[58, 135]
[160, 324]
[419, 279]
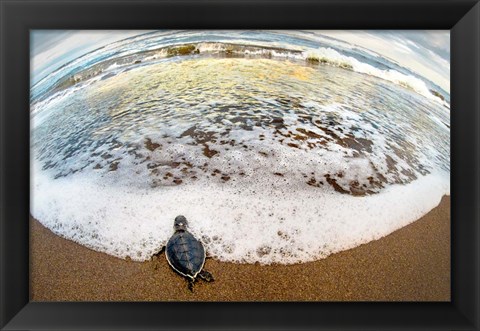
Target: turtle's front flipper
[206, 276]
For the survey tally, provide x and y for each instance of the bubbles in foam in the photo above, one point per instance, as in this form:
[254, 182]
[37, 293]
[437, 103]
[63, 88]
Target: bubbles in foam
[237, 223]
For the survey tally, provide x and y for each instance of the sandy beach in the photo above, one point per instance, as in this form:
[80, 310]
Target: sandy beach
[411, 264]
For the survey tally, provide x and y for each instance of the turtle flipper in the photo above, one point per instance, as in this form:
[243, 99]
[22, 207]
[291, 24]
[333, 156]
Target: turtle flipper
[206, 276]
[190, 284]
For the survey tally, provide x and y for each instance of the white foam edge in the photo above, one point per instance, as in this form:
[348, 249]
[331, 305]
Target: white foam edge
[297, 226]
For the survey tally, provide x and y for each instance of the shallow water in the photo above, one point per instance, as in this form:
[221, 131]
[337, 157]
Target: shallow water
[272, 158]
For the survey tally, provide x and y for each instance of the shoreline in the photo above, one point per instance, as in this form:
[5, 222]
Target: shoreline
[410, 264]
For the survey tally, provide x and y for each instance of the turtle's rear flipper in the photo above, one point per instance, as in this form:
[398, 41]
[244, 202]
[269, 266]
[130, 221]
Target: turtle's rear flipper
[206, 276]
[190, 284]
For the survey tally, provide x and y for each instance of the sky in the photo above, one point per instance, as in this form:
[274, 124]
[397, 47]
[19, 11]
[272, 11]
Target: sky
[424, 52]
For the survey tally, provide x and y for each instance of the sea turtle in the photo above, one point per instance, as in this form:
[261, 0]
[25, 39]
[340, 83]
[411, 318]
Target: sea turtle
[186, 254]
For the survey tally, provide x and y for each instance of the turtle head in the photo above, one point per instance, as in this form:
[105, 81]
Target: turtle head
[180, 223]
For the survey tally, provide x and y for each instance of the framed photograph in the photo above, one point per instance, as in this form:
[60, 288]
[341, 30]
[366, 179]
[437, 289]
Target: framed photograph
[269, 165]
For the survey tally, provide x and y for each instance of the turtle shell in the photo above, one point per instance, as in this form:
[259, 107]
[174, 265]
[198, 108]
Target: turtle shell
[185, 254]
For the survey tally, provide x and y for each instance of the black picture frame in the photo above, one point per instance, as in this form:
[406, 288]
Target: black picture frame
[17, 17]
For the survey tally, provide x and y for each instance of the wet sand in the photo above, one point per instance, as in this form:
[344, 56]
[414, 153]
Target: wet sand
[411, 264]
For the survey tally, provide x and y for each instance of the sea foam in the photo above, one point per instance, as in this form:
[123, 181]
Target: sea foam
[258, 224]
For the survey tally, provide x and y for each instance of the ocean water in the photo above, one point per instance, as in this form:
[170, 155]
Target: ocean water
[277, 147]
